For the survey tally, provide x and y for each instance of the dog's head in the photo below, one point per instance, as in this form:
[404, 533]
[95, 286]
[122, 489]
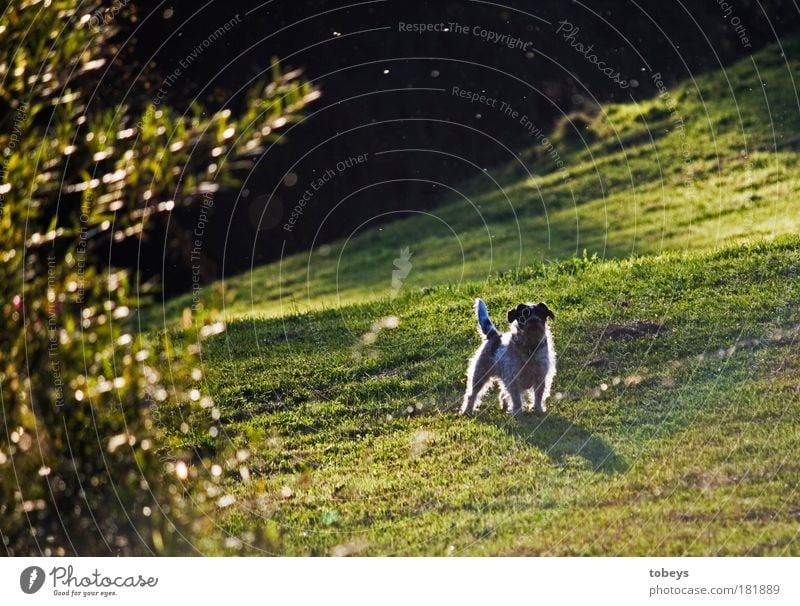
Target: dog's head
[528, 315]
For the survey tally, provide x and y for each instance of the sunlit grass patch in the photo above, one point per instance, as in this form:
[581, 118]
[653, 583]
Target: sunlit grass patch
[670, 431]
[711, 164]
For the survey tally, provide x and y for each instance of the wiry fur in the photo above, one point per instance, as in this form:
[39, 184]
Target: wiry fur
[485, 325]
[522, 360]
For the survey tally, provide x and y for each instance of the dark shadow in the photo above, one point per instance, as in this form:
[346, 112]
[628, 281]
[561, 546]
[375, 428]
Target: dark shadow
[559, 437]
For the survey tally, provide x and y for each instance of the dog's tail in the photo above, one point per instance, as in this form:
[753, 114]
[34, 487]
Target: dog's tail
[485, 325]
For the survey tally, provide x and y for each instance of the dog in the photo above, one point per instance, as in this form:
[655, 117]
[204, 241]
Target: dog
[522, 360]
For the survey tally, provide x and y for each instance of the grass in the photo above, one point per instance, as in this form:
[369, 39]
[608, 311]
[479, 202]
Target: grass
[676, 440]
[709, 165]
[673, 425]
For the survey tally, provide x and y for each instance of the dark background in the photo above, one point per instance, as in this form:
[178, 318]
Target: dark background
[346, 48]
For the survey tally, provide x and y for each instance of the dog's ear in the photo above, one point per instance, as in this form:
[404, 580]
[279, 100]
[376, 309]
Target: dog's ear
[513, 314]
[544, 311]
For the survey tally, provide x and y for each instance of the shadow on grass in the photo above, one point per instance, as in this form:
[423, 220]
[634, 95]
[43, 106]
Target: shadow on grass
[560, 438]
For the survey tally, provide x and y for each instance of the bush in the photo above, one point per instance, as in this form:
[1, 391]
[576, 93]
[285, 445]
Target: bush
[84, 466]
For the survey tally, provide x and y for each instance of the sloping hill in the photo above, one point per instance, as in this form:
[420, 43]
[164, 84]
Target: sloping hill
[673, 425]
[672, 429]
[706, 164]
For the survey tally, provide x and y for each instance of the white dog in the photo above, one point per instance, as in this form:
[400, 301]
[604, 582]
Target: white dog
[522, 360]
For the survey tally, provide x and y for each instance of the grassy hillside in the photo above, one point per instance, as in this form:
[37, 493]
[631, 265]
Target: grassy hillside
[672, 429]
[673, 422]
[712, 162]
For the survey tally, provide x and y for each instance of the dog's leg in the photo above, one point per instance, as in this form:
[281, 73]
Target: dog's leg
[516, 398]
[529, 399]
[475, 388]
[468, 406]
[505, 401]
[539, 397]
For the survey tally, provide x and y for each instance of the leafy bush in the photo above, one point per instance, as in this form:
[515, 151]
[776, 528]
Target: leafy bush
[83, 464]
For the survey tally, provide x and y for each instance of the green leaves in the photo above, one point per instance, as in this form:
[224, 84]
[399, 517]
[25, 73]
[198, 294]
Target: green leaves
[79, 175]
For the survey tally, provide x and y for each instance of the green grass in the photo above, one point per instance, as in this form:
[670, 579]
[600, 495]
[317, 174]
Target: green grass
[680, 440]
[642, 185]
[690, 448]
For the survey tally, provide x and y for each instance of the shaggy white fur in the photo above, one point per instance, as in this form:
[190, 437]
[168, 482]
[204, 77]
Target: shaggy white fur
[522, 360]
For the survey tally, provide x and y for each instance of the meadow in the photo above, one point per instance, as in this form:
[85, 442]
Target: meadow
[709, 163]
[668, 250]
